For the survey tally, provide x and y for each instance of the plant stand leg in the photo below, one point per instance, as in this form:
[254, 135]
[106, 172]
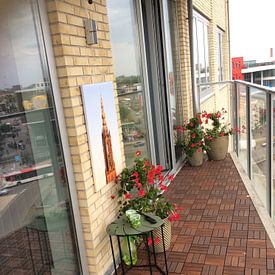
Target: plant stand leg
[120, 253]
[148, 253]
[113, 254]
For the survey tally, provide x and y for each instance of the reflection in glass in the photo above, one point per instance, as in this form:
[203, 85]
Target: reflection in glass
[36, 234]
[273, 162]
[258, 142]
[242, 154]
[130, 86]
[173, 67]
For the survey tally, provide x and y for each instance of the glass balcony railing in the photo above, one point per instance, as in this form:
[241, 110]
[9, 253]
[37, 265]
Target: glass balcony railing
[251, 106]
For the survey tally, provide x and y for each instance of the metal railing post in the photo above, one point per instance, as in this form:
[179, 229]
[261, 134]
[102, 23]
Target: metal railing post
[235, 119]
[269, 151]
[249, 135]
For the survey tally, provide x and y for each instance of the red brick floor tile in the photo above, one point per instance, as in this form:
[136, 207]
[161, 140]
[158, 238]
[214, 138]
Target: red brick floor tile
[220, 231]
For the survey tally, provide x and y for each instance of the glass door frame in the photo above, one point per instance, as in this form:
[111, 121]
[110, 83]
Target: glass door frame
[176, 164]
[165, 118]
[48, 60]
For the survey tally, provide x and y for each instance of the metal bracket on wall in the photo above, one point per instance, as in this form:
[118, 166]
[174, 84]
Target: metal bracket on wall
[91, 31]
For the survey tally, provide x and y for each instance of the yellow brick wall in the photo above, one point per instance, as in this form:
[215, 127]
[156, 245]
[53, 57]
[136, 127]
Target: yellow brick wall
[78, 63]
[184, 95]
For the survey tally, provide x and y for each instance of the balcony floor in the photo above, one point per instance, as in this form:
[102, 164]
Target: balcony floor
[220, 231]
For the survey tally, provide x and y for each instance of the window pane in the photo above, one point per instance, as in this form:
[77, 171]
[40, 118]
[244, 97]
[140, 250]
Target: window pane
[130, 85]
[206, 52]
[220, 56]
[201, 51]
[201, 55]
[36, 231]
[257, 78]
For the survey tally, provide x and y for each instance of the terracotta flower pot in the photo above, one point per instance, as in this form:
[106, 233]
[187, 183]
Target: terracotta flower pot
[167, 237]
[196, 159]
[217, 148]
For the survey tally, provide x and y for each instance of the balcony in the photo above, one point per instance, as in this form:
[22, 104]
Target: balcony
[221, 231]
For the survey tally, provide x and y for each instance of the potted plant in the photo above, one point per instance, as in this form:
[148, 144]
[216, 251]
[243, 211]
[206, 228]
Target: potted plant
[217, 134]
[141, 188]
[193, 140]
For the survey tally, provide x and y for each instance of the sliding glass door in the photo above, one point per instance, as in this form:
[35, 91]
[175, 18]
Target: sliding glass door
[144, 69]
[36, 224]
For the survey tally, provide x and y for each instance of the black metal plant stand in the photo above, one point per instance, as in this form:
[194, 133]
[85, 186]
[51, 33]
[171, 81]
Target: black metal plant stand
[121, 229]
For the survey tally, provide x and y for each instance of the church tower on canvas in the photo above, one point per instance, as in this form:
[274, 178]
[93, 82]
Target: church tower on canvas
[107, 148]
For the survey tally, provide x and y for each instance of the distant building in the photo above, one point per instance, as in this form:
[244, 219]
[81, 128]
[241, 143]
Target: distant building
[261, 73]
[237, 66]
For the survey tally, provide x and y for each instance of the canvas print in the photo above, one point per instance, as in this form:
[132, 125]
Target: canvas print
[103, 132]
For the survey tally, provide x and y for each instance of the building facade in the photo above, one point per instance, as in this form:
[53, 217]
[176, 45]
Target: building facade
[53, 216]
[237, 66]
[261, 73]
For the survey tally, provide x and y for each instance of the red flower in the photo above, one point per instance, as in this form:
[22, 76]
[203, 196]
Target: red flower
[138, 153]
[141, 193]
[113, 197]
[159, 168]
[191, 124]
[180, 128]
[206, 121]
[163, 187]
[139, 185]
[157, 240]
[127, 196]
[176, 216]
[135, 174]
[193, 145]
[193, 135]
[146, 164]
[171, 218]
[221, 134]
[171, 177]
[199, 150]
[161, 177]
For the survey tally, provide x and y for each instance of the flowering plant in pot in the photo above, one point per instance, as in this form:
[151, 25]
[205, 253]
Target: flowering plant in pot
[193, 140]
[217, 134]
[141, 188]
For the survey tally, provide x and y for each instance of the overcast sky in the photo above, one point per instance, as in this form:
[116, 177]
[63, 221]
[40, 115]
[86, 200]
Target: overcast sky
[252, 24]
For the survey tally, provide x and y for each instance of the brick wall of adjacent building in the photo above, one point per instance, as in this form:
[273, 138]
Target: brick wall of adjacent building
[216, 12]
[78, 63]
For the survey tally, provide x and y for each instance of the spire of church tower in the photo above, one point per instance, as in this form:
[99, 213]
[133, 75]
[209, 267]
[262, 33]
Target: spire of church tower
[107, 147]
[103, 115]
